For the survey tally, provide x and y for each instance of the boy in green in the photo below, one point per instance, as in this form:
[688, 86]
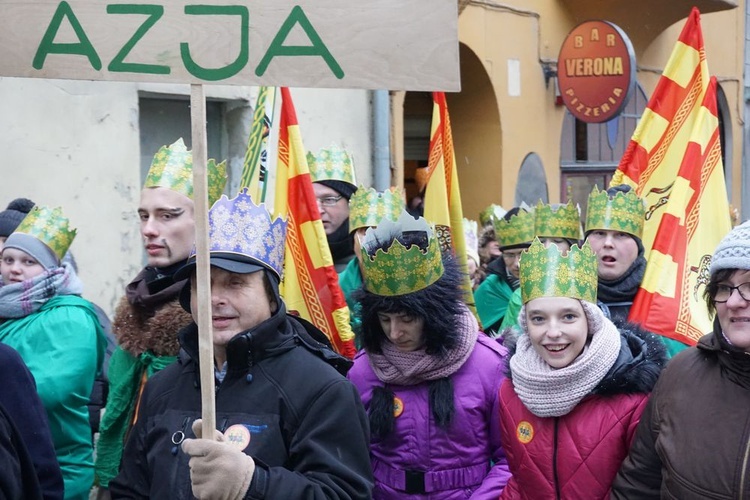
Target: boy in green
[57, 333]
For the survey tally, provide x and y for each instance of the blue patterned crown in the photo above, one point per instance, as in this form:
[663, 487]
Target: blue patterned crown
[239, 226]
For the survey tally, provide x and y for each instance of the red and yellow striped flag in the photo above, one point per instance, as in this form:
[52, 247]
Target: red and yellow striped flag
[311, 286]
[442, 201]
[674, 162]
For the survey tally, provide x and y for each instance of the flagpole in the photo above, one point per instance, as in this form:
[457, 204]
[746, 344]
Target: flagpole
[203, 298]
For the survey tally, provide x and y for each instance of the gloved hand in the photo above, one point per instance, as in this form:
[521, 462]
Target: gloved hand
[218, 470]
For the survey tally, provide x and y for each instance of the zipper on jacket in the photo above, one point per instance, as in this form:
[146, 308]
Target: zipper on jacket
[744, 470]
[554, 461]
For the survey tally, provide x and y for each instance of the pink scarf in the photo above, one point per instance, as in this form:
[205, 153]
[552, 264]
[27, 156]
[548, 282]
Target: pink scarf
[411, 368]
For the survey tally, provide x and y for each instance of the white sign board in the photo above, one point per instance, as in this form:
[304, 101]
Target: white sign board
[377, 44]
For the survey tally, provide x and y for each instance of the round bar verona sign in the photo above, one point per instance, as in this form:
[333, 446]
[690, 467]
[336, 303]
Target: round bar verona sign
[596, 71]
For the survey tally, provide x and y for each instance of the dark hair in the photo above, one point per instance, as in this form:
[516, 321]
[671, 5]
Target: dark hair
[713, 284]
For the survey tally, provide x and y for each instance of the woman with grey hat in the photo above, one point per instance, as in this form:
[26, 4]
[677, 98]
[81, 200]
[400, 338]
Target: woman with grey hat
[693, 440]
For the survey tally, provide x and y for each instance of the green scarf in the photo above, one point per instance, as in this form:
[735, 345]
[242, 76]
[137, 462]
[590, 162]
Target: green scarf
[125, 374]
[350, 280]
[491, 299]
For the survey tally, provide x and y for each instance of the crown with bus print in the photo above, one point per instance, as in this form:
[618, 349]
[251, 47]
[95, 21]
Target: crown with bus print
[399, 270]
[546, 271]
[517, 230]
[331, 164]
[561, 221]
[172, 168]
[49, 226]
[239, 226]
[624, 212]
[367, 207]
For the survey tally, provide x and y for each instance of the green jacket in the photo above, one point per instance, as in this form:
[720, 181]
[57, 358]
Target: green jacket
[63, 345]
[350, 279]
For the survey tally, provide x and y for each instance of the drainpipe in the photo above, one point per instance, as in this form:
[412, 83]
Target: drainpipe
[381, 131]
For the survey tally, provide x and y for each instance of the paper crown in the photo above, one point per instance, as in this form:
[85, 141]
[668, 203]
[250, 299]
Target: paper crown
[50, 227]
[546, 272]
[367, 207]
[172, 168]
[239, 226]
[471, 238]
[491, 214]
[622, 212]
[331, 164]
[399, 270]
[518, 230]
[561, 221]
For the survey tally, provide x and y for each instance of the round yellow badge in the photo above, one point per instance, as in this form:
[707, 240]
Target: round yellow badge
[398, 407]
[238, 435]
[524, 432]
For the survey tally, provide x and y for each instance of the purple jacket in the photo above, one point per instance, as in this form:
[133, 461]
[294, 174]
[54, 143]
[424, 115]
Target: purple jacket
[465, 461]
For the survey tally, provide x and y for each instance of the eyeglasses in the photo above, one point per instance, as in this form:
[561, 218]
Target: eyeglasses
[329, 201]
[724, 292]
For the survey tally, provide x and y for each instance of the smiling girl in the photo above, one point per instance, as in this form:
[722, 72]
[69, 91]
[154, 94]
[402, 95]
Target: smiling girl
[577, 384]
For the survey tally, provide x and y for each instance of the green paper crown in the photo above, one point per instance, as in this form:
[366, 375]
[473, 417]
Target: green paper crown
[546, 272]
[562, 221]
[172, 168]
[331, 164]
[50, 227]
[518, 230]
[367, 207]
[400, 270]
[623, 212]
[491, 214]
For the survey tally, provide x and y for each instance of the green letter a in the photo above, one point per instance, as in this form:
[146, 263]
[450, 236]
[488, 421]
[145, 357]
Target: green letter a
[48, 45]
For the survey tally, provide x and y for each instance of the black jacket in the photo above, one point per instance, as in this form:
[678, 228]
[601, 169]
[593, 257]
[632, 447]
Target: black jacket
[309, 431]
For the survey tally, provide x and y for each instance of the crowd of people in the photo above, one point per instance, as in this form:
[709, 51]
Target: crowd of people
[546, 391]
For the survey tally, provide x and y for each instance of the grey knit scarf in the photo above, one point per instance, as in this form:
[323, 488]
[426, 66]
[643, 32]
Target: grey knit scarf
[550, 392]
[18, 300]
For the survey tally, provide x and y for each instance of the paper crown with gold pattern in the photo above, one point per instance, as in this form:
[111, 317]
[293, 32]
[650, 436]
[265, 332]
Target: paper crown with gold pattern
[561, 221]
[367, 207]
[49, 226]
[546, 272]
[332, 164]
[517, 230]
[623, 212]
[239, 226]
[398, 270]
[471, 237]
[172, 168]
[491, 214]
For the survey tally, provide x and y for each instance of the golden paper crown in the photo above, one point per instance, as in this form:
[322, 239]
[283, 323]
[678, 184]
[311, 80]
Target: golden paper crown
[172, 168]
[367, 207]
[50, 227]
[491, 214]
[546, 272]
[562, 221]
[399, 270]
[518, 230]
[623, 212]
[331, 164]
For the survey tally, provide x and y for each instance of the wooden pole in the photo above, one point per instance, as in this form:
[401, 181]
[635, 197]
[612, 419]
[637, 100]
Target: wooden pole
[203, 268]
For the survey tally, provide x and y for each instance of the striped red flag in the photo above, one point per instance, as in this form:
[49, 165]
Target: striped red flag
[311, 286]
[674, 162]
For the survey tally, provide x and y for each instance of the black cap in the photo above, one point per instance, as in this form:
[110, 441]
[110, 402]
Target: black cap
[343, 188]
[234, 263]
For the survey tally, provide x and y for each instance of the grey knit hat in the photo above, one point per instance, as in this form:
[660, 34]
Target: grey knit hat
[12, 216]
[733, 252]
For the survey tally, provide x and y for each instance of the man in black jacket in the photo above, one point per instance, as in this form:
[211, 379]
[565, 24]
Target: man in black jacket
[289, 424]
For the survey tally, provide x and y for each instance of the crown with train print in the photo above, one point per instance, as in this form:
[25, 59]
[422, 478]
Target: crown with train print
[546, 271]
[491, 214]
[239, 226]
[399, 270]
[172, 168]
[332, 164]
[623, 212]
[517, 230]
[367, 207]
[559, 221]
[49, 226]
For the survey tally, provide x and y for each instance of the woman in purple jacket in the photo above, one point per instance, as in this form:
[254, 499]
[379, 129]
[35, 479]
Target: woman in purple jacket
[428, 378]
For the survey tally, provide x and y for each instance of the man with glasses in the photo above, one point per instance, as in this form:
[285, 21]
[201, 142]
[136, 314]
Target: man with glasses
[332, 174]
[514, 233]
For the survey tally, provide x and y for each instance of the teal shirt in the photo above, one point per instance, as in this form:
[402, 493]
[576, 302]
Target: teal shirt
[63, 345]
[491, 298]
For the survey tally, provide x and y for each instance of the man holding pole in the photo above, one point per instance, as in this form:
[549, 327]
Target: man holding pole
[289, 425]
